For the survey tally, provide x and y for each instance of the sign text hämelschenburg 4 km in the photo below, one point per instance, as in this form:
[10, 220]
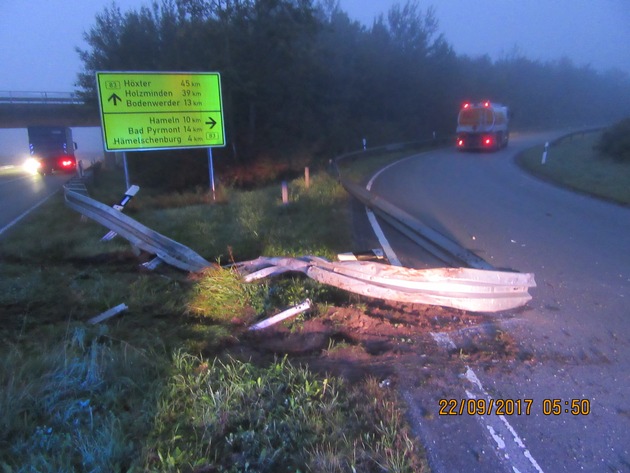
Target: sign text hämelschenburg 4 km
[160, 110]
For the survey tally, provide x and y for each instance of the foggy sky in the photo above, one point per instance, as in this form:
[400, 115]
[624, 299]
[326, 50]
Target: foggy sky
[39, 37]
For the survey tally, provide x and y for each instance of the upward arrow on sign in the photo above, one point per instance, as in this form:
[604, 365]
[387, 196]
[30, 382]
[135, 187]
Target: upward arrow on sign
[133, 103]
[115, 98]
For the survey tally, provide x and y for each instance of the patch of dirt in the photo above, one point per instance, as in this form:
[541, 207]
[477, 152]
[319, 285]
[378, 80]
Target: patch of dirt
[379, 339]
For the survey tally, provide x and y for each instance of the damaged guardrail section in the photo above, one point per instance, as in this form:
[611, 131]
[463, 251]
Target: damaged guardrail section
[138, 235]
[462, 288]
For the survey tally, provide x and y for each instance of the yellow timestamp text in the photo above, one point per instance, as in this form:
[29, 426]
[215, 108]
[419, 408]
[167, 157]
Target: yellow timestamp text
[510, 407]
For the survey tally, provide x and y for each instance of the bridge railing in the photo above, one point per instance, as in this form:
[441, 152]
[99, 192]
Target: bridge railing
[12, 97]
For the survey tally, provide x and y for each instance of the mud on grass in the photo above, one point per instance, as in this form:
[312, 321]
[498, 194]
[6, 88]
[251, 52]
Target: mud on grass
[376, 338]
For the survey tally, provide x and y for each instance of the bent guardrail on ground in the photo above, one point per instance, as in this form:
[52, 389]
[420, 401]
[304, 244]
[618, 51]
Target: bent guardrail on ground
[461, 288]
[138, 235]
[499, 290]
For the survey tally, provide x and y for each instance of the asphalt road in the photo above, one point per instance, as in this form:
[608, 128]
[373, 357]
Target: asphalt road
[21, 192]
[575, 332]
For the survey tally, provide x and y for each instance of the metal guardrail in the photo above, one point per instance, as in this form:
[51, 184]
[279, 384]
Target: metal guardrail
[431, 240]
[437, 244]
[138, 235]
[477, 287]
[571, 134]
[406, 145]
[462, 288]
[499, 287]
[10, 97]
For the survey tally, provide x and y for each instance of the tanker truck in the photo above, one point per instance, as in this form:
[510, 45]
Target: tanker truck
[483, 126]
[51, 149]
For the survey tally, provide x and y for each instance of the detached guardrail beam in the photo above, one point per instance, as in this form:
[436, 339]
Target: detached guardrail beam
[138, 235]
[461, 288]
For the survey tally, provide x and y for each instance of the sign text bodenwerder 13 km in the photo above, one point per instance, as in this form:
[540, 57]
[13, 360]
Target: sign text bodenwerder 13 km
[160, 110]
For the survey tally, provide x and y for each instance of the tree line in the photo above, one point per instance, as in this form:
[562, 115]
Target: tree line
[300, 76]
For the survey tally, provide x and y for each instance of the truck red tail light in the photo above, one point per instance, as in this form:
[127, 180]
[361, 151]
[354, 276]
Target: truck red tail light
[67, 163]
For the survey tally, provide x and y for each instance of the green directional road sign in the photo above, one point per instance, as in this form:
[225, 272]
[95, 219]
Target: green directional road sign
[160, 110]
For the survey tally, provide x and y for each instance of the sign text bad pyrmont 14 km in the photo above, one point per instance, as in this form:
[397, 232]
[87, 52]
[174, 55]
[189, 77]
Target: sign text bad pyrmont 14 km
[160, 110]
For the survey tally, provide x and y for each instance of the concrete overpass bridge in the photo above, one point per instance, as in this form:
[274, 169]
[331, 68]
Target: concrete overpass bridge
[23, 109]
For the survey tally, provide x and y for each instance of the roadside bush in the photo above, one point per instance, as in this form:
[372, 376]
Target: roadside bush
[615, 142]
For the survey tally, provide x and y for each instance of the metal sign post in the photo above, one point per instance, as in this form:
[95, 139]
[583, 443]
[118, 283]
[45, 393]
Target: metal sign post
[211, 170]
[126, 169]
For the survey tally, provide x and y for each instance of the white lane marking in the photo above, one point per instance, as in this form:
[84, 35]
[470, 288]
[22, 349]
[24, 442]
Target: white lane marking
[378, 231]
[380, 171]
[16, 220]
[497, 438]
[501, 431]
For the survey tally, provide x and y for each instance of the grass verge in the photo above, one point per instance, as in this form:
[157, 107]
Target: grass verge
[154, 389]
[575, 163]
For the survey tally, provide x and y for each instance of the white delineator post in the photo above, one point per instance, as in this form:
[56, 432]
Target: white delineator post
[544, 156]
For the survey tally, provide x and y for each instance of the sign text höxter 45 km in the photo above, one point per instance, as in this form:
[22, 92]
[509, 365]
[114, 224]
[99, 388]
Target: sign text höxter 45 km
[160, 110]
